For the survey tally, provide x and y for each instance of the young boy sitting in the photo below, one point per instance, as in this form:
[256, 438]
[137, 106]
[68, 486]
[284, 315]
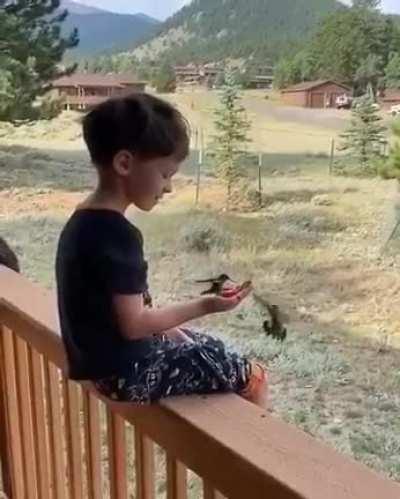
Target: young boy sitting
[133, 352]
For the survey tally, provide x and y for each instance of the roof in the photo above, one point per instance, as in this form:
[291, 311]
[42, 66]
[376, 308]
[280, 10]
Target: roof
[391, 95]
[96, 80]
[310, 85]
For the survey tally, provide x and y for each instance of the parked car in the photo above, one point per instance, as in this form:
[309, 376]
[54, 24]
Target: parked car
[395, 110]
[343, 101]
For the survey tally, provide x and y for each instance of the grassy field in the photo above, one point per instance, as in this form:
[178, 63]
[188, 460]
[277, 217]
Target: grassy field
[315, 249]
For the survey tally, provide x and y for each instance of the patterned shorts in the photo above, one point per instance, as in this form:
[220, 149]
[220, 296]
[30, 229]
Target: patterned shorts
[171, 368]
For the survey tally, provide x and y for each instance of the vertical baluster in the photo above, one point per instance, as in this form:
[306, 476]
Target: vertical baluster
[176, 479]
[25, 406]
[92, 446]
[10, 459]
[144, 464]
[117, 456]
[39, 422]
[73, 438]
[55, 431]
[209, 492]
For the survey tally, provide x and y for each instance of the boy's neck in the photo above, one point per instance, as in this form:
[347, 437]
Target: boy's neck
[106, 198]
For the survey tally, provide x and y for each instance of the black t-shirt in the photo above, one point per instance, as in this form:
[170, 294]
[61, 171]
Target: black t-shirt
[100, 253]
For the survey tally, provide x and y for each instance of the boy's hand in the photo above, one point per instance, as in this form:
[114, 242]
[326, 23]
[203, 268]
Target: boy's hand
[216, 304]
[176, 334]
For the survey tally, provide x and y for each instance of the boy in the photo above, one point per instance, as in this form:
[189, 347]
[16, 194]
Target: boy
[131, 352]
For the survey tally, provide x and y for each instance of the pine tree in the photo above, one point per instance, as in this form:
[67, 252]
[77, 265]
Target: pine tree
[31, 48]
[393, 170]
[365, 137]
[164, 79]
[231, 137]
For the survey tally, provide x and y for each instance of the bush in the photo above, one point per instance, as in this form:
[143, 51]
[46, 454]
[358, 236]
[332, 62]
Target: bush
[388, 171]
[204, 234]
[50, 108]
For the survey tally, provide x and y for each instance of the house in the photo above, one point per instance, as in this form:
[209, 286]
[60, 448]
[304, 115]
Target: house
[261, 76]
[389, 98]
[197, 75]
[261, 81]
[85, 90]
[315, 94]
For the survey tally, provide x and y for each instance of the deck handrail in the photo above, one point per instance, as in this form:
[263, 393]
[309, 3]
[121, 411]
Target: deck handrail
[238, 448]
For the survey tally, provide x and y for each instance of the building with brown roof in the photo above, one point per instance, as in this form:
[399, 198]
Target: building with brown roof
[390, 97]
[315, 94]
[85, 90]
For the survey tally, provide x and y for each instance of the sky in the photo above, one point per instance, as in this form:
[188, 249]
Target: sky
[161, 9]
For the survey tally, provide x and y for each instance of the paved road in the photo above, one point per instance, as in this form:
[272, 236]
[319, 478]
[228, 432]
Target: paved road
[325, 118]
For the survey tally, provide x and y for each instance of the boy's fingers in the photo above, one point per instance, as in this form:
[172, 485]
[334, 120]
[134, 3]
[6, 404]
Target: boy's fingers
[243, 294]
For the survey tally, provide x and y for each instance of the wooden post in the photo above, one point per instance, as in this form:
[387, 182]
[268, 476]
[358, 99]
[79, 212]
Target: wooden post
[332, 157]
[5, 434]
[144, 464]
[199, 164]
[176, 479]
[260, 161]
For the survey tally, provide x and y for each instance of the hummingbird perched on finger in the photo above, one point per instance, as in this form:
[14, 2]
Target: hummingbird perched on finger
[217, 284]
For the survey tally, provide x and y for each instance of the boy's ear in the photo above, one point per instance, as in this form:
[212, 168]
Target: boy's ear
[123, 162]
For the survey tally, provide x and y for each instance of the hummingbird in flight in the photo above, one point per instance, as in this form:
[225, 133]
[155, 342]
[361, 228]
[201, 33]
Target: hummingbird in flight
[274, 327]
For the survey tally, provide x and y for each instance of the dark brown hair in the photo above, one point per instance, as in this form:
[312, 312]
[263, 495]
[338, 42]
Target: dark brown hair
[7, 256]
[139, 122]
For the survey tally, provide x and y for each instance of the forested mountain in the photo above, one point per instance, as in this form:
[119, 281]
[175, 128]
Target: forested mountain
[103, 31]
[213, 30]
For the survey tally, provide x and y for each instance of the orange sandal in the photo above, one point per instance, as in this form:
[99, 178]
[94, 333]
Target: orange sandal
[258, 379]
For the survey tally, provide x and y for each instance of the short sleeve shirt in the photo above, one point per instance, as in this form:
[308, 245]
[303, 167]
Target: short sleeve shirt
[99, 255]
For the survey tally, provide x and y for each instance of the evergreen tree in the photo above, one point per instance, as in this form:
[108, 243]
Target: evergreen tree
[393, 165]
[367, 4]
[354, 45]
[368, 74]
[31, 48]
[392, 72]
[164, 79]
[231, 137]
[365, 137]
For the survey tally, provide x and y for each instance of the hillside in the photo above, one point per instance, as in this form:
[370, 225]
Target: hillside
[103, 31]
[210, 30]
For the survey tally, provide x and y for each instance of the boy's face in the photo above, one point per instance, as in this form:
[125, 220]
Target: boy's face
[148, 180]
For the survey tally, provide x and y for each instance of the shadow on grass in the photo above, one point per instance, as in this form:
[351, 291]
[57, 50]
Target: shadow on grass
[70, 170]
[26, 167]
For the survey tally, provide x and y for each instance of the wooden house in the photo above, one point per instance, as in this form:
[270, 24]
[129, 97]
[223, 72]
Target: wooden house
[314, 94]
[84, 90]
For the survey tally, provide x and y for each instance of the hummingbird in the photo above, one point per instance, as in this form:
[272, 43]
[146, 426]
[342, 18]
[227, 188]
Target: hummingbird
[217, 284]
[274, 326]
[147, 299]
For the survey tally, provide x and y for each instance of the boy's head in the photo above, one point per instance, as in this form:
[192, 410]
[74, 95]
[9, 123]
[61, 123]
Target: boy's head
[139, 142]
[7, 256]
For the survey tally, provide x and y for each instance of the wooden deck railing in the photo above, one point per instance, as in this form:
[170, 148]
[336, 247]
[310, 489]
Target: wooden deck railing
[59, 440]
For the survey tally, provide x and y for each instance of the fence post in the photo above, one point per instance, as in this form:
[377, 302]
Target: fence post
[260, 164]
[199, 164]
[332, 156]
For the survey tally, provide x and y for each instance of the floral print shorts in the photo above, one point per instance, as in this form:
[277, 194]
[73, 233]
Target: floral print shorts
[178, 368]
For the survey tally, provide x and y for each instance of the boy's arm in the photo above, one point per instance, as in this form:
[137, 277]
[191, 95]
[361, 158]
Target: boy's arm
[135, 321]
